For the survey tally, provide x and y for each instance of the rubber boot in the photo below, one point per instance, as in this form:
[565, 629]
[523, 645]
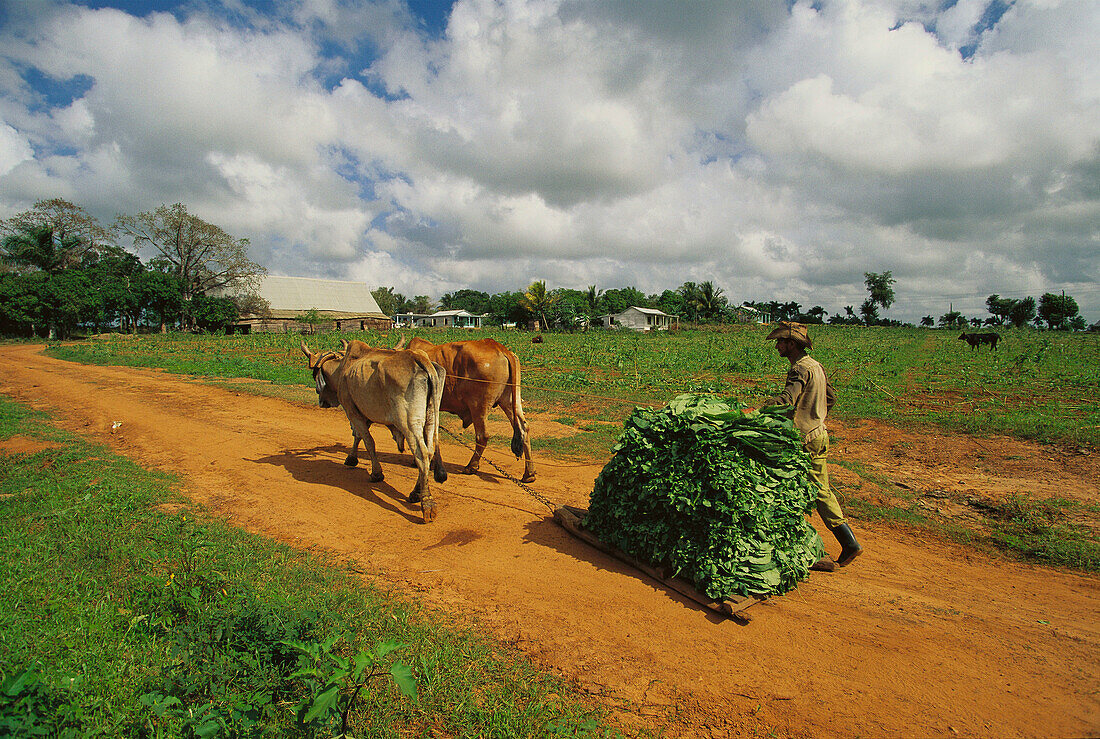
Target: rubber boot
[850, 548]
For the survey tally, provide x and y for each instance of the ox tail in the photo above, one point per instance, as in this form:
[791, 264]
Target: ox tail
[436, 375]
[517, 403]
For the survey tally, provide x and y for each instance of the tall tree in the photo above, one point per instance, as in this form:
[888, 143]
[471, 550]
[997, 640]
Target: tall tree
[881, 289]
[869, 310]
[1057, 310]
[816, 314]
[1022, 312]
[203, 257]
[161, 297]
[592, 297]
[689, 299]
[710, 300]
[619, 299]
[422, 304]
[74, 230]
[538, 301]
[36, 247]
[390, 302]
[473, 301]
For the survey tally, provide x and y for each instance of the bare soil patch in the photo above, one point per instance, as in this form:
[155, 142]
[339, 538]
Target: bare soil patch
[25, 445]
[918, 638]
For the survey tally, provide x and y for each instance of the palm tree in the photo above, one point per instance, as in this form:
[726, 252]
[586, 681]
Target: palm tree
[592, 296]
[39, 248]
[538, 301]
[35, 246]
[689, 295]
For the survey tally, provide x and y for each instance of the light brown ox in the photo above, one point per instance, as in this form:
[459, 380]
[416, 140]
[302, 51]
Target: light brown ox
[401, 390]
[481, 374]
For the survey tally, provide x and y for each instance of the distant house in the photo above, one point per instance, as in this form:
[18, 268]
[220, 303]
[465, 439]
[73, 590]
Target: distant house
[749, 314]
[451, 319]
[408, 320]
[640, 319]
[339, 305]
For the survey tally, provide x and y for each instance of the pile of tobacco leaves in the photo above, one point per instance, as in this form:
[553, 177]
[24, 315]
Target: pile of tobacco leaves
[713, 490]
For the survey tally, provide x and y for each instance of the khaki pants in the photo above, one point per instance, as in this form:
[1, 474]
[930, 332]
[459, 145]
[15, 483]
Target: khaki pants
[827, 505]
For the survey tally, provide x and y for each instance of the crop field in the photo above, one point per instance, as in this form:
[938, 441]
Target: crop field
[1039, 385]
[970, 478]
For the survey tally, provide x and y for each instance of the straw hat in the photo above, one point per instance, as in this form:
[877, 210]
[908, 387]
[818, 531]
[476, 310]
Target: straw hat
[791, 330]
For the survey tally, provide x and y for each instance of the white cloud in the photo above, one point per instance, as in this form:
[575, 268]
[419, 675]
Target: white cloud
[14, 148]
[781, 152]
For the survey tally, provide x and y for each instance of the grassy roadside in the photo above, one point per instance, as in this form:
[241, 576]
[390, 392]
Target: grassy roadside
[1052, 531]
[125, 613]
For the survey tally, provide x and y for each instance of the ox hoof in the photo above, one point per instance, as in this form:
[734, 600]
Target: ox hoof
[440, 474]
[469, 470]
[351, 461]
[414, 496]
[428, 508]
[529, 477]
[377, 477]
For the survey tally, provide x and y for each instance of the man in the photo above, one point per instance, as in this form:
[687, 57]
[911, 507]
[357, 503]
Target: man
[811, 395]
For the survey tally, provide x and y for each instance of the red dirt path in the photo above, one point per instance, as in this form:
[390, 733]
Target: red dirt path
[918, 638]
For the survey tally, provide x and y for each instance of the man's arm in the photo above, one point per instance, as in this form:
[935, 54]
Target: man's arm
[796, 381]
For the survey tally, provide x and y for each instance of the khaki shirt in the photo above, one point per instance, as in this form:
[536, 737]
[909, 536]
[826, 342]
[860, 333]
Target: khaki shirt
[809, 391]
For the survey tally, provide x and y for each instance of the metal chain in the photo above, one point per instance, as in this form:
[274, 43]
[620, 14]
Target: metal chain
[524, 486]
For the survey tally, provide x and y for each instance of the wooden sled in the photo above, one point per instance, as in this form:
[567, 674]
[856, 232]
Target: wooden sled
[570, 519]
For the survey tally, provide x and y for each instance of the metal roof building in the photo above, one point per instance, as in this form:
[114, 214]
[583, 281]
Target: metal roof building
[341, 305]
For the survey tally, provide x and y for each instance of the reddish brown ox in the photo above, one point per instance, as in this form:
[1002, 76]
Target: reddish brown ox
[480, 375]
[401, 390]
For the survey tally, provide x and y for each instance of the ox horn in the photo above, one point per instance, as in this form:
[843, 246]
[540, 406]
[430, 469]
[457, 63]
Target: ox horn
[305, 349]
[344, 343]
[400, 344]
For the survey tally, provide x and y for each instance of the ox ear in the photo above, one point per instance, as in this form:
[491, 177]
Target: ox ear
[400, 344]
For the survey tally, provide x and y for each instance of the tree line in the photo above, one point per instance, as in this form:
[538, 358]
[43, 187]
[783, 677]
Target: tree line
[706, 303]
[61, 270]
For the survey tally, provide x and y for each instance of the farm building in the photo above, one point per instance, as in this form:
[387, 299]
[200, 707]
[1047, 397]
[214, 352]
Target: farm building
[451, 319]
[749, 314]
[408, 320]
[340, 306]
[640, 319]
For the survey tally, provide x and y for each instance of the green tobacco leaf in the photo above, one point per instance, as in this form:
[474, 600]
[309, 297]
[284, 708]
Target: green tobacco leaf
[714, 493]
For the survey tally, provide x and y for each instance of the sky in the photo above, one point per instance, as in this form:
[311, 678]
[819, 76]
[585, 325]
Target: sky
[780, 150]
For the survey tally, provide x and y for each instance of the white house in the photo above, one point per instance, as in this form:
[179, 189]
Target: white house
[754, 314]
[640, 319]
[461, 318]
[340, 305]
[408, 320]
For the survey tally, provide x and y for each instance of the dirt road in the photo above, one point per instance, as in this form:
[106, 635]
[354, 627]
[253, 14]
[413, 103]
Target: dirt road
[918, 638]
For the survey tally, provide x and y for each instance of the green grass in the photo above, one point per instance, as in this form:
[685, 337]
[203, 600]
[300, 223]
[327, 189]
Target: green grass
[125, 613]
[1041, 385]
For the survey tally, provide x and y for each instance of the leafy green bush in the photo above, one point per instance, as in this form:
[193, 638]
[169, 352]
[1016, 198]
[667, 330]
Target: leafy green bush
[714, 490]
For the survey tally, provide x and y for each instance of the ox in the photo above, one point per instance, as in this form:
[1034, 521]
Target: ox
[398, 389]
[480, 375]
[976, 340]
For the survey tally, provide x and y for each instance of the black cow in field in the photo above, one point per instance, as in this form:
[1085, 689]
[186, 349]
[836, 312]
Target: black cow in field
[976, 340]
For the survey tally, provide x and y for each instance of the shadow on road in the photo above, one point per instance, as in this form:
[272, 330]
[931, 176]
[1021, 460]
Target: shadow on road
[547, 533]
[322, 465]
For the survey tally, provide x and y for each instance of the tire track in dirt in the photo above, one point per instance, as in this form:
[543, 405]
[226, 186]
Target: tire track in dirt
[917, 638]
